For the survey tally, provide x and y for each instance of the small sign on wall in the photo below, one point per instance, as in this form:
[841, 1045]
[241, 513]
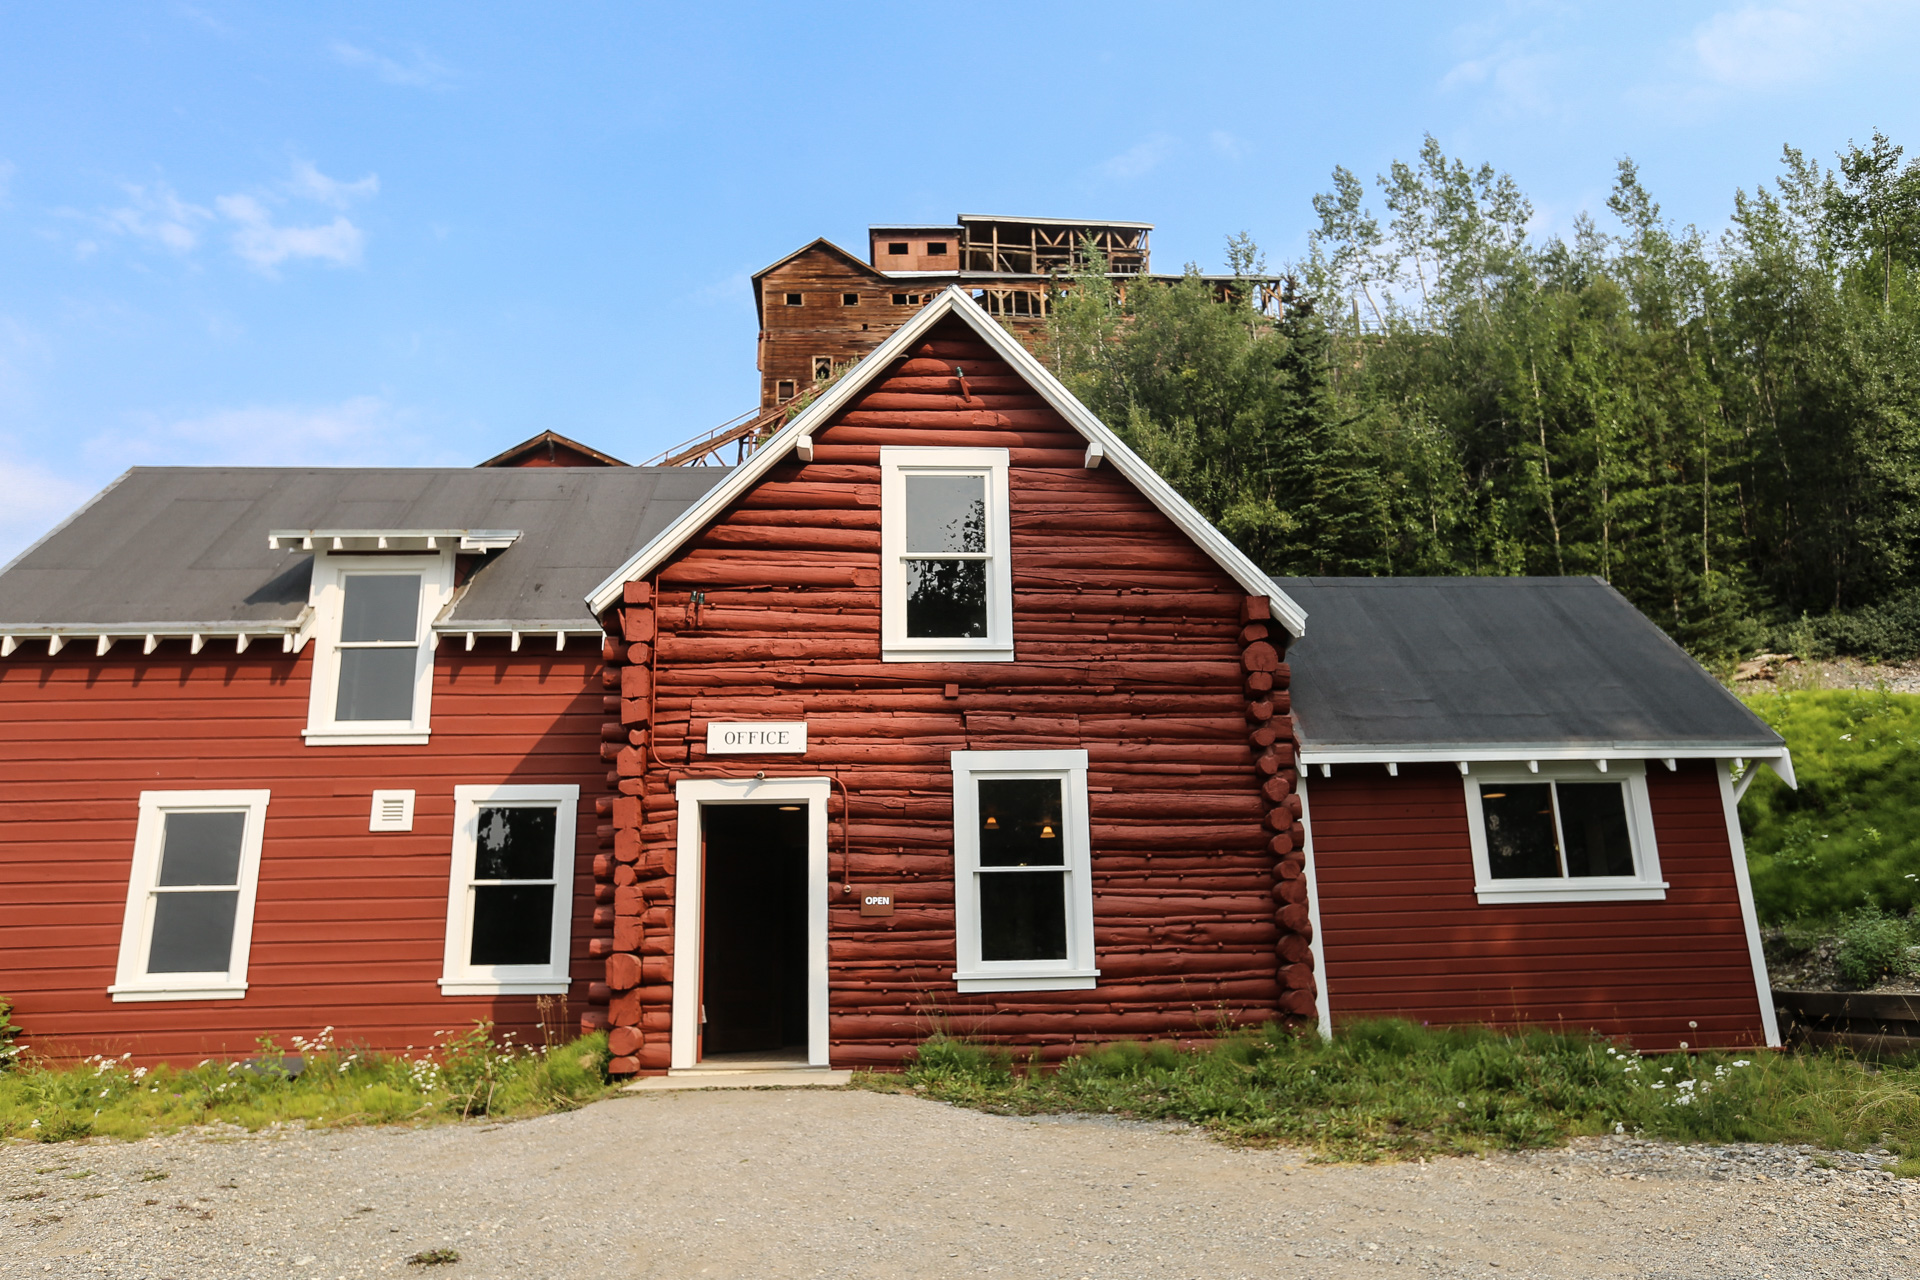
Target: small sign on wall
[760, 737]
[876, 902]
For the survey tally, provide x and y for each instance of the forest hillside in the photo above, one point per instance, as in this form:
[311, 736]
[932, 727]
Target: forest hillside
[1727, 429]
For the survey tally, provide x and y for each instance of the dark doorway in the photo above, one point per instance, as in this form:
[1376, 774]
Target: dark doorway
[754, 927]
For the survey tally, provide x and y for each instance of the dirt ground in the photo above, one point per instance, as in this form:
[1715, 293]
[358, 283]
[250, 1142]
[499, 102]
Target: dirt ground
[847, 1183]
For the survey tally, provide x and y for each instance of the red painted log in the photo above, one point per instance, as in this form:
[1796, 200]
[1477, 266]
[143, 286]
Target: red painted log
[1252, 632]
[627, 935]
[623, 971]
[628, 1066]
[612, 651]
[1255, 609]
[591, 1021]
[1294, 916]
[603, 917]
[1294, 949]
[637, 592]
[1261, 657]
[636, 623]
[1299, 1003]
[626, 844]
[627, 811]
[598, 993]
[1297, 977]
[1262, 710]
[624, 874]
[1291, 869]
[624, 1042]
[1291, 890]
[1259, 683]
[602, 866]
[635, 682]
[603, 893]
[633, 711]
[1277, 788]
[1282, 845]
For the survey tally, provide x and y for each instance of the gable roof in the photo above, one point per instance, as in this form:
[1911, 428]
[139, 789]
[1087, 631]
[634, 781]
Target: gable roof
[556, 447]
[165, 547]
[819, 242]
[1405, 669]
[952, 301]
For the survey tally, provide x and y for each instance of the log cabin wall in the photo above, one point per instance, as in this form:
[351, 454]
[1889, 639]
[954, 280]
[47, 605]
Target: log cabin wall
[1404, 936]
[1130, 642]
[349, 925]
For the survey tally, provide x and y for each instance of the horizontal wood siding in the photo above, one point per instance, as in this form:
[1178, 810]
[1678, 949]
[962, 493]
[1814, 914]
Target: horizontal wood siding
[1403, 934]
[350, 925]
[1129, 642]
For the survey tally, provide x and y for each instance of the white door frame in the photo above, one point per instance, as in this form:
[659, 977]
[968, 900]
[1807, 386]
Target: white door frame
[687, 901]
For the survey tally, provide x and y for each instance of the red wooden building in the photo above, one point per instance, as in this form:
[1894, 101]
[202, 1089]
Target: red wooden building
[943, 712]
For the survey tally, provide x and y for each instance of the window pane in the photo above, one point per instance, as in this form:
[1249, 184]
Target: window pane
[1023, 915]
[192, 932]
[1520, 842]
[202, 848]
[375, 684]
[381, 606]
[946, 513]
[1020, 823]
[515, 844]
[946, 599]
[512, 924]
[1593, 817]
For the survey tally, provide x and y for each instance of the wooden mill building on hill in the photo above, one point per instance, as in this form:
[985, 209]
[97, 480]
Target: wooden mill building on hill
[942, 711]
[821, 306]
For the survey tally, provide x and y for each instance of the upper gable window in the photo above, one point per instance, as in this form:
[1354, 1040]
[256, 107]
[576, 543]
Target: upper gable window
[897, 247]
[1560, 832]
[946, 581]
[793, 299]
[373, 655]
[936, 248]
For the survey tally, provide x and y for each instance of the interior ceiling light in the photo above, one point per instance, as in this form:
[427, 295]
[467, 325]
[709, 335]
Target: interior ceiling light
[993, 823]
[1046, 831]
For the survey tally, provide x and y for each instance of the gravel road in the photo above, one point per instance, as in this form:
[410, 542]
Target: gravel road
[845, 1183]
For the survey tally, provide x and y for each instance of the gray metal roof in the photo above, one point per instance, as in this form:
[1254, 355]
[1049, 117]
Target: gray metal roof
[176, 545]
[1489, 663]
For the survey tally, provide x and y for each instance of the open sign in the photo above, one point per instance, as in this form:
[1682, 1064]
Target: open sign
[878, 903]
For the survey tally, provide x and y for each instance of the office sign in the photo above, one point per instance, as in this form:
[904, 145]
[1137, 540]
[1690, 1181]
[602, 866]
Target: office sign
[761, 737]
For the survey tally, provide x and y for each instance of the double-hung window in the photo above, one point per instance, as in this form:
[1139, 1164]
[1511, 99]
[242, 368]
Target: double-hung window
[946, 587]
[189, 918]
[373, 661]
[1557, 832]
[1023, 894]
[510, 897]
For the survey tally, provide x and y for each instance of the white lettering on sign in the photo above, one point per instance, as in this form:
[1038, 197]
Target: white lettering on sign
[765, 737]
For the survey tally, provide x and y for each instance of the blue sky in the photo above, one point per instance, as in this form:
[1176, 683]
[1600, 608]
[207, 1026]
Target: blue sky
[414, 234]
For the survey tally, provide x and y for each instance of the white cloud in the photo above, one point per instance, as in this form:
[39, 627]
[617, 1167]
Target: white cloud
[1233, 148]
[1765, 47]
[1140, 159]
[424, 72]
[315, 185]
[358, 431]
[32, 500]
[264, 245]
[155, 213]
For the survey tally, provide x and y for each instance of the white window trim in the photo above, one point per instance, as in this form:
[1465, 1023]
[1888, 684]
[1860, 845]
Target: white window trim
[896, 461]
[328, 597]
[689, 886]
[131, 981]
[971, 973]
[458, 977]
[1645, 885]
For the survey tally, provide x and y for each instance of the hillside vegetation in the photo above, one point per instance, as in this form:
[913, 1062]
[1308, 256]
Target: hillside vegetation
[1727, 430]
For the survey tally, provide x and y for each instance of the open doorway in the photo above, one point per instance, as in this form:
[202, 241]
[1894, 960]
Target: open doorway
[754, 933]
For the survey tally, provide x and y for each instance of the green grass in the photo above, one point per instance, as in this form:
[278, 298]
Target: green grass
[471, 1074]
[1849, 838]
[1392, 1090]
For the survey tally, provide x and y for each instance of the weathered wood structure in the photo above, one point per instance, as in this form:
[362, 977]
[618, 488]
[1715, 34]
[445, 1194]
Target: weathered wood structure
[822, 307]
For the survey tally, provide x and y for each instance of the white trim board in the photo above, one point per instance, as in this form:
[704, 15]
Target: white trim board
[1323, 1003]
[1777, 758]
[956, 302]
[688, 889]
[1749, 915]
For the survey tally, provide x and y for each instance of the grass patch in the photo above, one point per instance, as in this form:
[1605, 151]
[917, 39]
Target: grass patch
[1849, 839]
[469, 1074]
[1392, 1090]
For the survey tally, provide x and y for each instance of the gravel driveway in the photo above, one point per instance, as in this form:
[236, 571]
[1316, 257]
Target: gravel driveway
[847, 1183]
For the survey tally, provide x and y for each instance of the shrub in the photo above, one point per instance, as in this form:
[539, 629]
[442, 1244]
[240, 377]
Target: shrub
[1874, 946]
[10, 1049]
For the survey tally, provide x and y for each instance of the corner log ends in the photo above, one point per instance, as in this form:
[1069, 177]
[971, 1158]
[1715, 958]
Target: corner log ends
[1271, 737]
[633, 923]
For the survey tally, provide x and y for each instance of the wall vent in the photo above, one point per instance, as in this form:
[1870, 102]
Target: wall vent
[392, 811]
